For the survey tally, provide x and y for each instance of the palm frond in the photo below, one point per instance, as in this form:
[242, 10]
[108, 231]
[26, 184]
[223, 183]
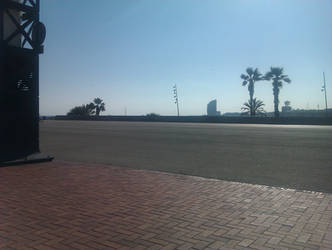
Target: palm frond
[246, 105]
[287, 80]
[244, 77]
[268, 76]
[97, 101]
[256, 105]
[102, 107]
[250, 71]
[277, 71]
[276, 74]
[257, 75]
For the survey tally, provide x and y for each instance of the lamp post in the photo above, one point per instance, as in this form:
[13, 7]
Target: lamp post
[176, 99]
[324, 89]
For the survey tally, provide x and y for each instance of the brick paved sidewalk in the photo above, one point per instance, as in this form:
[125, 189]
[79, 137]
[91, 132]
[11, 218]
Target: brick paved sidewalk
[62, 205]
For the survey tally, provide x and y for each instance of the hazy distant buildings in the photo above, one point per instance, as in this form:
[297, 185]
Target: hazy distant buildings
[212, 108]
[287, 107]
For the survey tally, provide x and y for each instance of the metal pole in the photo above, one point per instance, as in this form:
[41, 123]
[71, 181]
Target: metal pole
[1, 22]
[325, 94]
[2, 50]
[176, 98]
[36, 86]
[177, 104]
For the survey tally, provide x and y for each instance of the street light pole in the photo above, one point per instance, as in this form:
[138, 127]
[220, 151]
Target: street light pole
[175, 90]
[324, 89]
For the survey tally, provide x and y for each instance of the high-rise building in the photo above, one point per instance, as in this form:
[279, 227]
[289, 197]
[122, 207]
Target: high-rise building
[212, 108]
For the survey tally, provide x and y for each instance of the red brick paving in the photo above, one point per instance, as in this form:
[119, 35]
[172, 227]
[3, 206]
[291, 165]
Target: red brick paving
[61, 205]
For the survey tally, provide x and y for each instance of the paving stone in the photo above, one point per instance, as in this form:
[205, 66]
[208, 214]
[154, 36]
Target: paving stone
[274, 240]
[303, 238]
[245, 242]
[217, 244]
[62, 205]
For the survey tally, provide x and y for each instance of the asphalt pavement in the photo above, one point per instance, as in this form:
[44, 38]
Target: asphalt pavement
[289, 156]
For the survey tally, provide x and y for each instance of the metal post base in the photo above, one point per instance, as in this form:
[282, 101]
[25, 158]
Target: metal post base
[34, 158]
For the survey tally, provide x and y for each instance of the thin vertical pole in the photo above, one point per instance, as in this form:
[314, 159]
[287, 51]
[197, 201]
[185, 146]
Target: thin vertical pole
[176, 98]
[2, 50]
[2, 54]
[325, 94]
[177, 104]
[36, 75]
[1, 23]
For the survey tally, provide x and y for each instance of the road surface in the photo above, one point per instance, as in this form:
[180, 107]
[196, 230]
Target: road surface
[278, 155]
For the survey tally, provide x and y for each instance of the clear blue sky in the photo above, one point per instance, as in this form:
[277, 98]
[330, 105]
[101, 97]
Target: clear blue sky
[131, 52]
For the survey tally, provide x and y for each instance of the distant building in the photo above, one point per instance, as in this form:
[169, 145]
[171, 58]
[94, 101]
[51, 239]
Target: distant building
[287, 107]
[212, 108]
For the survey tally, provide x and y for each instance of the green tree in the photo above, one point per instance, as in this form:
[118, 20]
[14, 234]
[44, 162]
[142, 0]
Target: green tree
[152, 116]
[276, 74]
[254, 107]
[99, 105]
[83, 110]
[252, 76]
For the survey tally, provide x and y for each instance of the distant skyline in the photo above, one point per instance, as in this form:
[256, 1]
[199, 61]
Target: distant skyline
[131, 53]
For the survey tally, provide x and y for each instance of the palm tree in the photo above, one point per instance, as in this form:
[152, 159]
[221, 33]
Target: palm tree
[84, 110]
[252, 76]
[276, 75]
[152, 116]
[99, 105]
[253, 107]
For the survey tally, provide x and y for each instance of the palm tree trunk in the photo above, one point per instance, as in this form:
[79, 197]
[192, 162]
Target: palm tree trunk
[251, 94]
[276, 101]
